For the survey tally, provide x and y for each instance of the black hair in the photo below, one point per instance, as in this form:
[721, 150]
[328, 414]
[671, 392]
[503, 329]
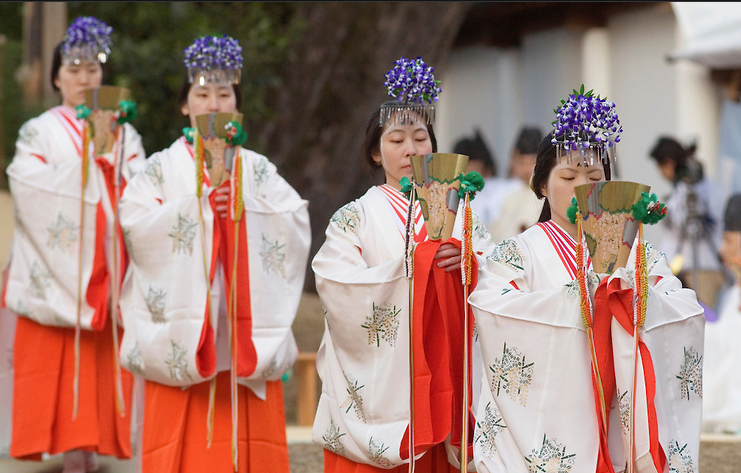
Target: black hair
[732, 217]
[685, 166]
[56, 64]
[528, 140]
[372, 142]
[476, 150]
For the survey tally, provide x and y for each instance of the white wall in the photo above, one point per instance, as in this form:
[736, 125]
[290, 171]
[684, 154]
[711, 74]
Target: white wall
[499, 90]
[477, 93]
[644, 87]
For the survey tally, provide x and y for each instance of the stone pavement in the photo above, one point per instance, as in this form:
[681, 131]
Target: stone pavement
[305, 457]
[718, 454]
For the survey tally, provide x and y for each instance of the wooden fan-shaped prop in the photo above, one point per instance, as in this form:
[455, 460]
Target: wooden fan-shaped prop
[107, 98]
[218, 153]
[607, 221]
[436, 180]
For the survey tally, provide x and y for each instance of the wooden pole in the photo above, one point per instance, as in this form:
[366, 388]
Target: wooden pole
[307, 375]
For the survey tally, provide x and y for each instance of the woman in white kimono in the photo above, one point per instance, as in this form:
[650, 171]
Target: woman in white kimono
[213, 287]
[363, 415]
[721, 411]
[66, 262]
[545, 405]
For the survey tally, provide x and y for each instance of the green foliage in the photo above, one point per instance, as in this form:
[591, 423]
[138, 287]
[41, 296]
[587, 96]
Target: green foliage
[147, 57]
[12, 110]
[147, 54]
[11, 20]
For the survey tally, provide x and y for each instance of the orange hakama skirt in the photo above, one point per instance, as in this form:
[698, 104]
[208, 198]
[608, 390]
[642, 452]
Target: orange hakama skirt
[43, 393]
[175, 432]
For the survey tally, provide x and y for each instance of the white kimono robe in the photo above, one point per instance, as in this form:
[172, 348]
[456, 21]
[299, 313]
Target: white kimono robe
[363, 359]
[721, 412]
[40, 280]
[46, 181]
[170, 240]
[537, 410]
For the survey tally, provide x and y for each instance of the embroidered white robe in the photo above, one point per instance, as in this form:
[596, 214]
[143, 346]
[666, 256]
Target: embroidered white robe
[721, 377]
[46, 182]
[537, 408]
[363, 359]
[165, 291]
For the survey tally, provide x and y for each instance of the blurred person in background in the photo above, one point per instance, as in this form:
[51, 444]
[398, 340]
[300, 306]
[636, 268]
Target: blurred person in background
[519, 208]
[693, 222]
[721, 377]
[483, 161]
[70, 395]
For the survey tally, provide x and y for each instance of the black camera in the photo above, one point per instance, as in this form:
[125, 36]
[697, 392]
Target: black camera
[691, 172]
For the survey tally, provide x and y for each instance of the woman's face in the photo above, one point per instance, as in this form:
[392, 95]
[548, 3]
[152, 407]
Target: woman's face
[668, 169]
[559, 189]
[73, 79]
[522, 165]
[398, 143]
[209, 98]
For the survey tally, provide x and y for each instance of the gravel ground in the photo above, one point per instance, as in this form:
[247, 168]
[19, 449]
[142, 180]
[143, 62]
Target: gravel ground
[306, 458]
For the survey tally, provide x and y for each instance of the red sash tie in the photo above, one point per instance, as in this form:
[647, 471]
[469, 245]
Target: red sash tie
[109, 172]
[605, 363]
[99, 285]
[226, 229]
[620, 302]
[438, 352]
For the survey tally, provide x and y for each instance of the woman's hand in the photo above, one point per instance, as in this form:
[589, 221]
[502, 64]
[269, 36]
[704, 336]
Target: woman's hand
[222, 199]
[448, 256]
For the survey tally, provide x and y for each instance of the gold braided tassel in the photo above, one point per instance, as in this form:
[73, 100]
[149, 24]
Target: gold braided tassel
[409, 275]
[467, 243]
[85, 162]
[120, 404]
[236, 206]
[587, 312]
[640, 296]
[199, 155]
[467, 255]
[236, 194]
[641, 280]
[200, 178]
[409, 235]
[586, 308]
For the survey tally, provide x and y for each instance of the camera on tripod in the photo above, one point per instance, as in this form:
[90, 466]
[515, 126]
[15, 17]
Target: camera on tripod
[692, 172]
[692, 224]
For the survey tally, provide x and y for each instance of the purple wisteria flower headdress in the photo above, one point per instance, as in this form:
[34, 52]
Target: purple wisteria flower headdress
[86, 39]
[214, 59]
[588, 125]
[413, 86]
